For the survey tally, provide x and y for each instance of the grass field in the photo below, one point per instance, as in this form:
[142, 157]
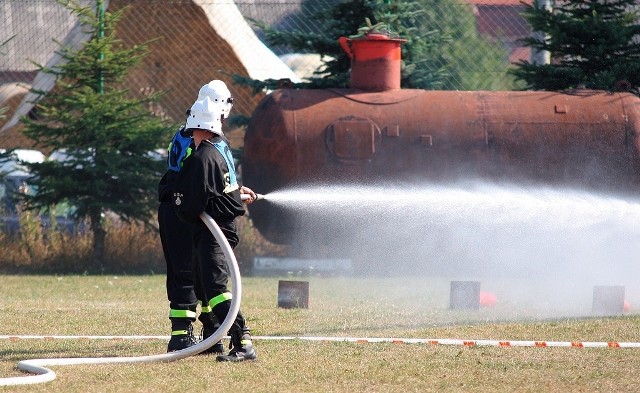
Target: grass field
[339, 307]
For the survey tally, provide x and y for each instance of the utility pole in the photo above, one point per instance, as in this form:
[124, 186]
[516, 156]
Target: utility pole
[100, 32]
[539, 57]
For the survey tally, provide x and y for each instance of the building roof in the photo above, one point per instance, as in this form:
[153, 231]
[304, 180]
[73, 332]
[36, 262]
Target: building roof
[32, 38]
[208, 40]
[502, 21]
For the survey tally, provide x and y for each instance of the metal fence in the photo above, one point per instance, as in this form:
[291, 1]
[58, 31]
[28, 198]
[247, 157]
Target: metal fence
[200, 40]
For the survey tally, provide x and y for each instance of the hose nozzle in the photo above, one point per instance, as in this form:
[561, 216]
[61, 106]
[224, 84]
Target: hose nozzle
[246, 196]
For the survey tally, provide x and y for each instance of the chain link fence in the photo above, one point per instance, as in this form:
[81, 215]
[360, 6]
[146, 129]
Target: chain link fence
[194, 41]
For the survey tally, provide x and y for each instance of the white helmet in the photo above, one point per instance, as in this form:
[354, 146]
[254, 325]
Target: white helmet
[206, 115]
[217, 91]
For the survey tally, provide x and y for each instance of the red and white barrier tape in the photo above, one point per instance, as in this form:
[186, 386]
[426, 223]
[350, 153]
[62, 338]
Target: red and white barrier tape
[465, 343]
[49, 337]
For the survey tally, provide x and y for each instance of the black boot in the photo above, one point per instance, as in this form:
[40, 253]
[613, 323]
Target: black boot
[209, 326]
[181, 335]
[241, 347]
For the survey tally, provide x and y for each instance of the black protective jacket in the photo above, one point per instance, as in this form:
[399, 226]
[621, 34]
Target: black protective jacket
[179, 149]
[208, 182]
[165, 187]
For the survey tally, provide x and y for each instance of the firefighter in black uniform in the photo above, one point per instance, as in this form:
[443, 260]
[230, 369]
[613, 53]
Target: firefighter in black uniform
[176, 246]
[208, 183]
[175, 236]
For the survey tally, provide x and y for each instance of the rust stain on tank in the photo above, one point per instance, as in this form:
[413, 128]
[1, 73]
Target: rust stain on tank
[309, 134]
[586, 139]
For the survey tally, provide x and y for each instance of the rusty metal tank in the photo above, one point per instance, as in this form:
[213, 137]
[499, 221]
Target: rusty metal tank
[588, 139]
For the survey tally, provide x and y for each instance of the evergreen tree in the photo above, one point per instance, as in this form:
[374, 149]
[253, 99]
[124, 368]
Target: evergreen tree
[105, 135]
[339, 19]
[423, 66]
[346, 19]
[593, 44]
[440, 36]
[472, 61]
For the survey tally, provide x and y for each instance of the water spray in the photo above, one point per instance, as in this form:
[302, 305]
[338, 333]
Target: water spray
[43, 374]
[619, 209]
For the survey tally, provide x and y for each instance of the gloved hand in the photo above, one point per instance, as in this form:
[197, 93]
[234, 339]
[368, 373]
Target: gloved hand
[247, 195]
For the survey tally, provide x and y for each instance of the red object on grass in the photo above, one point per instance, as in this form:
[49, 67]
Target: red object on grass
[487, 299]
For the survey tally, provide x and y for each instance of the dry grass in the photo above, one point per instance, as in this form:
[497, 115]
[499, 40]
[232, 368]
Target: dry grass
[41, 247]
[340, 307]
[131, 248]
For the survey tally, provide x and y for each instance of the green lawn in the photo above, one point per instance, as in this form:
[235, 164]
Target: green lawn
[339, 307]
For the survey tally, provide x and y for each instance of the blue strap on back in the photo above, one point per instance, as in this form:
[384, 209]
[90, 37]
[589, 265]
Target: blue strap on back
[224, 149]
[179, 149]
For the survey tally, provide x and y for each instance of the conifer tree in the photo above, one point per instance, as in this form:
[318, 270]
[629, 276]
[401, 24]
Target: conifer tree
[593, 44]
[472, 61]
[440, 36]
[340, 19]
[348, 18]
[107, 137]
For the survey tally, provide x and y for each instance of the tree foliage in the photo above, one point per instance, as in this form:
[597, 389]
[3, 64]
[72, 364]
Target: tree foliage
[441, 37]
[472, 61]
[339, 19]
[593, 44]
[104, 135]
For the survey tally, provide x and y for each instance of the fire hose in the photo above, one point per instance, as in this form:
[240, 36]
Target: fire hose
[44, 374]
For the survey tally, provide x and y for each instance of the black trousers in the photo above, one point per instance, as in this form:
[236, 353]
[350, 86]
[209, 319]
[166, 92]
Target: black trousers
[176, 238]
[211, 268]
